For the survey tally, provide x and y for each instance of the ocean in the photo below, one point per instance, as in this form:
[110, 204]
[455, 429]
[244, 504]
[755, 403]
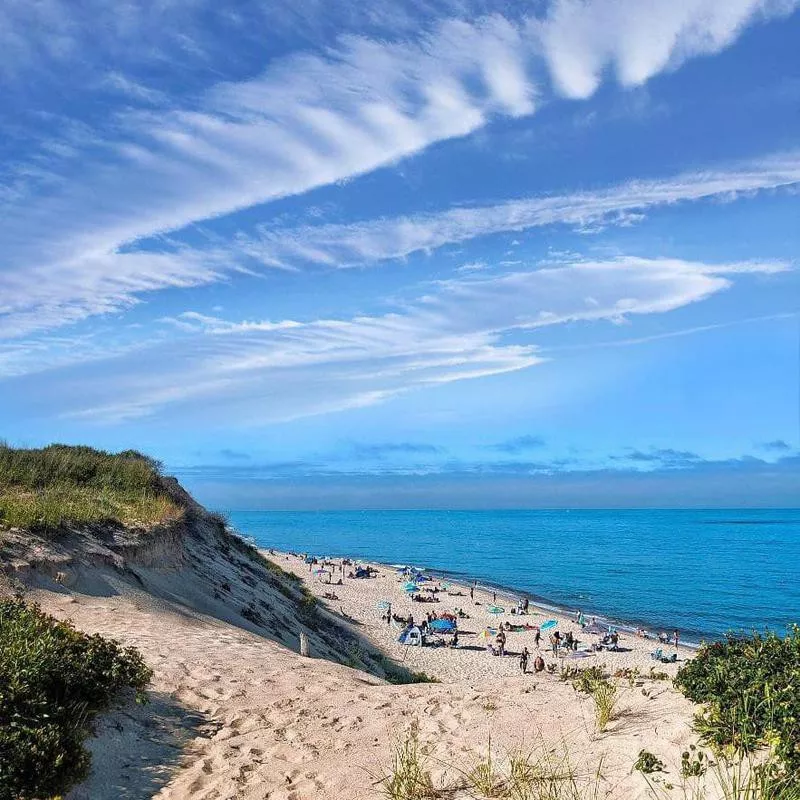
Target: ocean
[703, 572]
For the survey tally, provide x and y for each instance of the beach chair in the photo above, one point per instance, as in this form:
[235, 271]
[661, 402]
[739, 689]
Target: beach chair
[657, 654]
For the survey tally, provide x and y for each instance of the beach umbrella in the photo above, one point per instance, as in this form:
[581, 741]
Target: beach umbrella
[410, 587]
[442, 625]
[489, 633]
[496, 610]
[550, 623]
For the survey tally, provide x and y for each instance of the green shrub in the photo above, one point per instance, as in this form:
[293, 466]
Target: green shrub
[53, 681]
[647, 763]
[44, 489]
[750, 688]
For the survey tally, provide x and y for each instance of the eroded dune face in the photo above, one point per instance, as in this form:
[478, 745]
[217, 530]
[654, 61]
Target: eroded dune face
[235, 712]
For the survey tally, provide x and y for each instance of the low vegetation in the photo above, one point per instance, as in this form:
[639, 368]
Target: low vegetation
[750, 690]
[594, 681]
[545, 772]
[48, 488]
[53, 681]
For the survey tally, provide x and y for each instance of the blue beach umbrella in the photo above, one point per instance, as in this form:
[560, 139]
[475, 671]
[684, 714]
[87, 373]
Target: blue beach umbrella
[550, 623]
[410, 587]
[496, 610]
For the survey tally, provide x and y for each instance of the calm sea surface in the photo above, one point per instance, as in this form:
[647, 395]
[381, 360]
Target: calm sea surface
[704, 572]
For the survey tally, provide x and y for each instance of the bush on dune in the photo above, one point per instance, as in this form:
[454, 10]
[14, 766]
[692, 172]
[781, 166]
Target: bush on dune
[53, 681]
[44, 489]
[750, 688]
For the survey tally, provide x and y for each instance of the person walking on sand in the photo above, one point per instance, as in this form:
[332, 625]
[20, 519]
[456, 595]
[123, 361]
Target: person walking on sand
[523, 660]
[472, 592]
[537, 638]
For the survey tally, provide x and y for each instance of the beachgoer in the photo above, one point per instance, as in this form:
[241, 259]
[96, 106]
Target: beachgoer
[523, 660]
[555, 641]
[525, 605]
[675, 636]
[537, 638]
[538, 664]
[500, 641]
[494, 597]
[389, 614]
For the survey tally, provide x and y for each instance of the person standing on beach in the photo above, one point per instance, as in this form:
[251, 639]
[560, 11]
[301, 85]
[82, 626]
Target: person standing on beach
[494, 597]
[472, 592]
[675, 635]
[523, 660]
[537, 638]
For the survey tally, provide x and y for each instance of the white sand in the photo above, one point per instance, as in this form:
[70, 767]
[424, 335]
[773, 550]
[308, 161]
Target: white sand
[236, 714]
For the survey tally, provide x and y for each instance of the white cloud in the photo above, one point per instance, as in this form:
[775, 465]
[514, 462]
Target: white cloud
[638, 38]
[309, 120]
[375, 240]
[264, 371]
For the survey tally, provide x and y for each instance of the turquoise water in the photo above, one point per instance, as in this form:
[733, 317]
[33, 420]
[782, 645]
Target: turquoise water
[704, 572]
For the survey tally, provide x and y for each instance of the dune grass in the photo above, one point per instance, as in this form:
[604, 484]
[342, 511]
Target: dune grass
[46, 488]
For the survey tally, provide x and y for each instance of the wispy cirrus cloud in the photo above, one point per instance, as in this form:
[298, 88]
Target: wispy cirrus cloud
[369, 241]
[254, 372]
[308, 120]
[638, 39]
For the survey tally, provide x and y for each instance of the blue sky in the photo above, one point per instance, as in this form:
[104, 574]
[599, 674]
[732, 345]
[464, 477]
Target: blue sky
[414, 254]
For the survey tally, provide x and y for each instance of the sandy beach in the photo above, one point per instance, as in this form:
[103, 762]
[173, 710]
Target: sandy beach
[364, 600]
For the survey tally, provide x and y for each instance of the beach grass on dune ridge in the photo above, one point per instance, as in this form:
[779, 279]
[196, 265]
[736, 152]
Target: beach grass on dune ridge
[47, 488]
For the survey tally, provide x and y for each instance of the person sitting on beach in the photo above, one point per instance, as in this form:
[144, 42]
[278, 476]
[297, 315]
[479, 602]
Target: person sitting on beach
[538, 664]
[663, 638]
[523, 660]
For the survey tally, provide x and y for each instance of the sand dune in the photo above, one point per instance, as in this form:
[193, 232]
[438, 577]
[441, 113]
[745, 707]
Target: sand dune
[237, 713]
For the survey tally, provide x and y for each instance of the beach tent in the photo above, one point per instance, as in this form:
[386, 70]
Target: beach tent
[550, 623]
[442, 625]
[596, 628]
[411, 636]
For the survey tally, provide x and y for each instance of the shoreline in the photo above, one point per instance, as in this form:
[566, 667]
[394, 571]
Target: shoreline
[464, 581]
[362, 602]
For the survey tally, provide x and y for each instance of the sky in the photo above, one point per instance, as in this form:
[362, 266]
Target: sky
[408, 254]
